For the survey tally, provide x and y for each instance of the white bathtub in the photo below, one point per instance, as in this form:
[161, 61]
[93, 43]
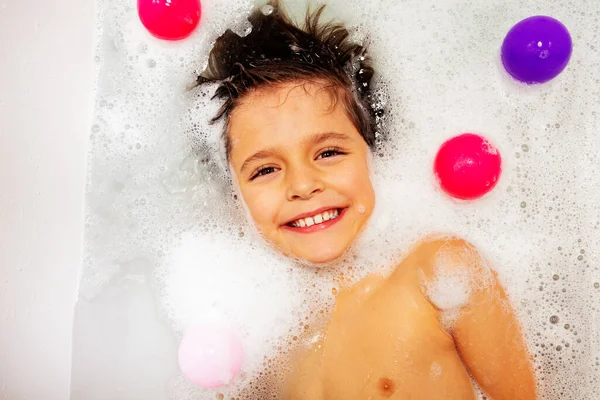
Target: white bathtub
[46, 83]
[45, 110]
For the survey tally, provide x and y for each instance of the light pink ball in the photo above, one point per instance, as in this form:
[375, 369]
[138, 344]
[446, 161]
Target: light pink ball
[210, 356]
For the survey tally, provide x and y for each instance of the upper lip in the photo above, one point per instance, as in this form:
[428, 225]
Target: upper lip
[311, 213]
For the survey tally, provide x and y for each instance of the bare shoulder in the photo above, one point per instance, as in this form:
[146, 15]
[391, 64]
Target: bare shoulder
[453, 250]
[449, 258]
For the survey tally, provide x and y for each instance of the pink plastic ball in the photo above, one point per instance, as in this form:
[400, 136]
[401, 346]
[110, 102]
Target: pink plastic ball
[210, 356]
[467, 166]
[170, 19]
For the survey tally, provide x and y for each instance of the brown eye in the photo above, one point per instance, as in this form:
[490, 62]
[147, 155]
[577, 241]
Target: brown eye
[327, 153]
[263, 171]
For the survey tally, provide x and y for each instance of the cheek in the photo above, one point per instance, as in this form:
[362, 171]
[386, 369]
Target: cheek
[253, 201]
[357, 184]
[366, 193]
[262, 205]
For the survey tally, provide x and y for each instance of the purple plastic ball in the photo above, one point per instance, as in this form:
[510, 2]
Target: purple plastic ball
[536, 49]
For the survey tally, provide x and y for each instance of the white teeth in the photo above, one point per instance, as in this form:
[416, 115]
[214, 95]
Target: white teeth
[317, 219]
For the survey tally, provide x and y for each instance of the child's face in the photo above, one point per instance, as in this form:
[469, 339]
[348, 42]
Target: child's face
[302, 169]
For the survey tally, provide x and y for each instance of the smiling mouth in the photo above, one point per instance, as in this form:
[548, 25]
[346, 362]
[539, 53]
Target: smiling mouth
[316, 219]
[316, 222]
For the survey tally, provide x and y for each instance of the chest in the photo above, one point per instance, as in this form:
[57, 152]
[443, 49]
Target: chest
[384, 340]
[393, 326]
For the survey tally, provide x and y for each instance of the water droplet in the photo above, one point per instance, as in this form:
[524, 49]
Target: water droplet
[525, 148]
[523, 204]
[555, 277]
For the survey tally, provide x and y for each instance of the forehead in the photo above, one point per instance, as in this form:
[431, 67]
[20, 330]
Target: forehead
[320, 96]
[286, 113]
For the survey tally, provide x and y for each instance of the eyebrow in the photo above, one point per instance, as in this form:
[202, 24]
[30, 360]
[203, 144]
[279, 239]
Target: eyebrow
[312, 140]
[258, 156]
[325, 136]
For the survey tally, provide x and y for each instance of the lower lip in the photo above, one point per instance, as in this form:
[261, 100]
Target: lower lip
[316, 227]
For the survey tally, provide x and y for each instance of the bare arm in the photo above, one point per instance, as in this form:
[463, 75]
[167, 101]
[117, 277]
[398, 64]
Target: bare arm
[488, 335]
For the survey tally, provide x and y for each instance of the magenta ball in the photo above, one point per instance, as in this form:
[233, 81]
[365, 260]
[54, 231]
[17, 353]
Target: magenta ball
[536, 49]
[210, 356]
[467, 166]
[170, 19]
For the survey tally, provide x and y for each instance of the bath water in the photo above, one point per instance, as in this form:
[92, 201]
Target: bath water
[168, 245]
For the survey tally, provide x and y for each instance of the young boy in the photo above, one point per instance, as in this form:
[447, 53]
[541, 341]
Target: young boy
[300, 127]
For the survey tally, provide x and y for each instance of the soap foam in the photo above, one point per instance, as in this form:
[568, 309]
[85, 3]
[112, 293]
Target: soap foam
[449, 291]
[159, 189]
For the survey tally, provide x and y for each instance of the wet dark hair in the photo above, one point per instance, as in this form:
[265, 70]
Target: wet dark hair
[277, 51]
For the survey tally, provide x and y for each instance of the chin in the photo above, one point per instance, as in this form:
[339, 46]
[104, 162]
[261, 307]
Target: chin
[322, 257]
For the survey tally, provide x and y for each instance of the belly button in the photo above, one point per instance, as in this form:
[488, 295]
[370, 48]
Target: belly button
[386, 387]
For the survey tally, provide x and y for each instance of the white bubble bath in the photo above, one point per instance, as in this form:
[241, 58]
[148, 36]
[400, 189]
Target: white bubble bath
[168, 246]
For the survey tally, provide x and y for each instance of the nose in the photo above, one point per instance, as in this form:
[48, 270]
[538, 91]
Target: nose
[303, 183]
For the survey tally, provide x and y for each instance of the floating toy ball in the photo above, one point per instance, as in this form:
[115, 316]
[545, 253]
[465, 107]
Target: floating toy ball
[210, 356]
[467, 166]
[536, 49]
[170, 19]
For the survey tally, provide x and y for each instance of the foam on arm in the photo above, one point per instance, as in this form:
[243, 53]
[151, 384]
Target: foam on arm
[486, 331]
